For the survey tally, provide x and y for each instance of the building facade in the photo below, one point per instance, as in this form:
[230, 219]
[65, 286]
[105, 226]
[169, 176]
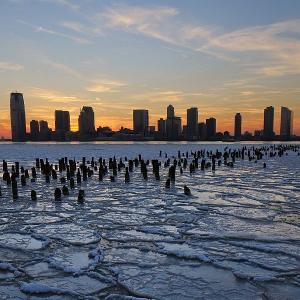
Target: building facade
[192, 123]
[286, 122]
[86, 121]
[34, 130]
[211, 127]
[45, 132]
[161, 127]
[238, 125]
[173, 124]
[269, 122]
[202, 131]
[62, 124]
[140, 121]
[17, 117]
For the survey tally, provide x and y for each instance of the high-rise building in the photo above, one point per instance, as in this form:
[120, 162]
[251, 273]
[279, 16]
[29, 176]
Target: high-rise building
[202, 131]
[45, 133]
[286, 123]
[192, 123]
[269, 122]
[173, 124]
[140, 121]
[238, 125]
[161, 126]
[62, 124]
[86, 121]
[211, 127]
[170, 112]
[34, 130]
[17, 117]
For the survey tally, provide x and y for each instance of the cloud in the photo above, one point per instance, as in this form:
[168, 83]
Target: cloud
[274, 48]
[67, 3]
[52, 96]
[41, 29]
[125, 16]
[105, 85]
[266, 50]
[9, 66]
[154, 22]
[82, 28]
[62, 67]
[247, 93]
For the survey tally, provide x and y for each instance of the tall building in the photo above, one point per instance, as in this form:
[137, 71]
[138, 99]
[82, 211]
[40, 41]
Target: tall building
[269, 122]
[211, 127]
[173, 124]
[45, 133]
[17, 117]
[161, 126]
[192, 123]
[62, 124]
[34, 130]
[286, 123]
[140, 121]
[202, 131]
[170, 112]
[86, 121]
[238, 125]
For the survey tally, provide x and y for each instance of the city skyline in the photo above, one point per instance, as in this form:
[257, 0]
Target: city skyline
[222, 58]
[169, 128]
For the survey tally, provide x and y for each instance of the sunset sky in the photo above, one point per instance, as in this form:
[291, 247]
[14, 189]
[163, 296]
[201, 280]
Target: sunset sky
[221, 56]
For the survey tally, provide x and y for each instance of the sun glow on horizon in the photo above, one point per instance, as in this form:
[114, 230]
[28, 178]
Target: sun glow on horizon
[117, 57]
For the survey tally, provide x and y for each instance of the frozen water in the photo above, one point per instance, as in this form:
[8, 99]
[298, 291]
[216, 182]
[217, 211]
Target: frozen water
[237, 237]
[20, 241]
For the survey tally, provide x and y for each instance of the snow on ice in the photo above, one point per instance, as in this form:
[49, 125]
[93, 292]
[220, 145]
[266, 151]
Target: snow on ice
[236, 237]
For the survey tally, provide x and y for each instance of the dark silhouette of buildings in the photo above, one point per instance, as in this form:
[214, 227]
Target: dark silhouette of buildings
[161, 127]
[86, 122]
[211, 127]
[17, 117]
[45, 132]
[192, 123]
[34, 130]
[238, 126]
[173, 124]
[140, 121]
[269, 122]
[286, 122]
[202, 131]
[167, 129]
[62, 124]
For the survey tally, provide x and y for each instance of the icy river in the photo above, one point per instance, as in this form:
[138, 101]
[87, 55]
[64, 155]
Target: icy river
[236, 237]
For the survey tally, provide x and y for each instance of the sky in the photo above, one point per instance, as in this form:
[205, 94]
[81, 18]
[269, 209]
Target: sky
[220, 56]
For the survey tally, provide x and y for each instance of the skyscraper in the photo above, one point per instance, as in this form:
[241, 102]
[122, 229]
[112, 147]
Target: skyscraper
[238, 125]
[269, 122]
[62, 124]
[86, 121]
[140, 121]
[45, 134]
[34, 130]
[173, 124]
[161, 126]
[286, 123]
[192, 123]
[170, 112]
[202, 131]
[17, 117]
[211, 127]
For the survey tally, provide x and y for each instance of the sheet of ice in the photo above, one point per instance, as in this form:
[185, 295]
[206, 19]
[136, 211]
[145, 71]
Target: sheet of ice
[237, 237]
[21, 241]
[75, 261]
